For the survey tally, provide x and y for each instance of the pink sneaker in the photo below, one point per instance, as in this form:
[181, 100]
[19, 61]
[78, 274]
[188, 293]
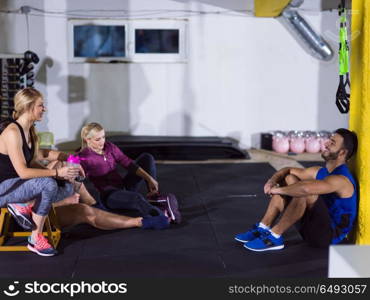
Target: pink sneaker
[22, 215]
[41, 246]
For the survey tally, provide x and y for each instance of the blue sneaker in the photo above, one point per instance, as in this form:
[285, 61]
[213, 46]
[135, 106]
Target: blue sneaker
[157, 222]
[265, 242]
[250, 235]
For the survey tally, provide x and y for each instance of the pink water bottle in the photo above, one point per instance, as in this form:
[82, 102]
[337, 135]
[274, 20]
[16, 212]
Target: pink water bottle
[74, 161]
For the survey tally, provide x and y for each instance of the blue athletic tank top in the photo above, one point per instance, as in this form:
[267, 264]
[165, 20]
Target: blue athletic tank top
[342, 211]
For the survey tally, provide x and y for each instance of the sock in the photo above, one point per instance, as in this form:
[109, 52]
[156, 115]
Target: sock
[263, 226]
[276, 236]
[31, 240]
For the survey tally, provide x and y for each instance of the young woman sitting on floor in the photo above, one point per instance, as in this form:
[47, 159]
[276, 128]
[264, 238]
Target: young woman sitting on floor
[28, 189]
[100, 158]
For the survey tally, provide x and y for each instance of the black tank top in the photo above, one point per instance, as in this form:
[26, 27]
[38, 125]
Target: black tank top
[7, 170]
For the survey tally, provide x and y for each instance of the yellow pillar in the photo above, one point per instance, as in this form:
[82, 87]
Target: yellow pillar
[269, 8]
[359, 118]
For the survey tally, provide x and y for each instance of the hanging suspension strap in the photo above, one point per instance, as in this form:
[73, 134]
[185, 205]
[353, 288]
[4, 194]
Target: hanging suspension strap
[342, 97]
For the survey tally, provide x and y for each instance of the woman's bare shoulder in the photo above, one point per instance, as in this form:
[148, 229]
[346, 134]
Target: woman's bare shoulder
[11, 136]
[11, 130]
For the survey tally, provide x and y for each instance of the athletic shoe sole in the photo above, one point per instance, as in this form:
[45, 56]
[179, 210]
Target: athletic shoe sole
[265, 249]
[173, 208]
[242, 241]
[23, 221]
[39, 253]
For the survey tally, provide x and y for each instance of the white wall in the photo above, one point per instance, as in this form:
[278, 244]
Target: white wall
[244, 75]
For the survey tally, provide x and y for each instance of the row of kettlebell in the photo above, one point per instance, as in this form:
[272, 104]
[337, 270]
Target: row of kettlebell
[299, 141]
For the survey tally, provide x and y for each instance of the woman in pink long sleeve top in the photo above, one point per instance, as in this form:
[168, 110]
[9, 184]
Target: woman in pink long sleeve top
[100, 158]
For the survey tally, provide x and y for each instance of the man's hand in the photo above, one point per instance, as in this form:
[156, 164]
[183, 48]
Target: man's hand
[73, 199]
[268, 186]
[81, 171]
[55, 164]
[275, 190]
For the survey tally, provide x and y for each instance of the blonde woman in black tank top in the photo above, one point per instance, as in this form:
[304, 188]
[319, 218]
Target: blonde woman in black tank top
[25, 187]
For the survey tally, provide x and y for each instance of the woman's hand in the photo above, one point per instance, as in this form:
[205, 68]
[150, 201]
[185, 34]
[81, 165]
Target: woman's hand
[152, 186]
[68, 173]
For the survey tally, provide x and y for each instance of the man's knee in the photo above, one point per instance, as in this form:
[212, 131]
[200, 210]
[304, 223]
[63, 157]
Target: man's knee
[311, 200]
[291, 179]
[308, 201]
[88, 213]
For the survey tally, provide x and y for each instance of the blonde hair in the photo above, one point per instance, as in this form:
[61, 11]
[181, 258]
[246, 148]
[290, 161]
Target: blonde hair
[88, 131]
[24, 101]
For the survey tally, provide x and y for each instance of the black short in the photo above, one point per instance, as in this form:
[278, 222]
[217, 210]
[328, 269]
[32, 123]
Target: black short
[315, 225]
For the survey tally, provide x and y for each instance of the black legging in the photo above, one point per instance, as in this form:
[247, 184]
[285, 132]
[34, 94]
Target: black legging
[129, 197]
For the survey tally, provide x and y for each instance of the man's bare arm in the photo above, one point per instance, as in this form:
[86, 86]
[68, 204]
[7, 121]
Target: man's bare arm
[301, 173]
[331, 184]
[51, 155]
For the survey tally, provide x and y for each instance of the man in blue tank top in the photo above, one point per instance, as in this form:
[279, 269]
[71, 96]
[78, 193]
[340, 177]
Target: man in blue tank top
[321, 202]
